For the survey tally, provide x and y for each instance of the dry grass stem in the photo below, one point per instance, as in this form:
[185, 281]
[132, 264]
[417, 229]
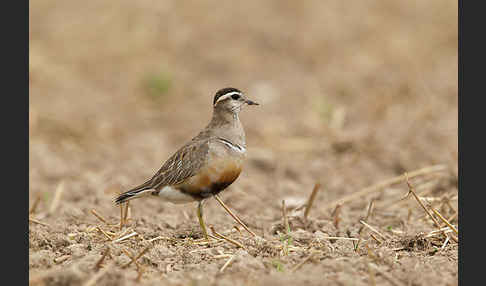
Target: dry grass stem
[335, 215]
[285, 249]
[98, 216]
[356, 245]
[125, 237]
[207, 242]
[432, 199]
[422, 189]
[226, 264]
[214, 237]
[454, 238]
[62, 258]
[104, 233]
[285, 218]
[341, 238]
[186, 215]
[412, 191]
[203, 241]
[222, 256]
[125, 215]
[100, 261]
[233, 215]
[31, 219]
[298, 266]
[312, 197]
[375, 238]
[380, 186]
[445, 243]
[129, 215]
[373, 229]
[226, 238]
[370, 210]
[34, 205]
[439, 231]
[127, 253]
[209, 235]
[158, 238]
[121, 216]
[136, 257]
[238, 229]
[57, 198]
[368, 214]
[445, 221]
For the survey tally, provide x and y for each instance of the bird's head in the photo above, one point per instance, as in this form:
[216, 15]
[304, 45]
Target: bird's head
[231, 99]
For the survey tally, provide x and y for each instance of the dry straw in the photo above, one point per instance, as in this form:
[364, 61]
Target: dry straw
[312, 197]
[98, 216]
[100, 261]
[104, 233]
[228, 262]
[445, 221]
[335, 216]
[125, 237]
[125, 215]
[35, 204]
[57, 198]
[226, 238]
[368, 215]
[233, 215]
[31, 219]
[373, 229]
[412, 191]
[134, 259]
[285, 218]
[341, 238]
[380, 186]
[298, 266]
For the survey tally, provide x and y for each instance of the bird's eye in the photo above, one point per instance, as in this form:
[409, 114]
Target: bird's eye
[235, 96]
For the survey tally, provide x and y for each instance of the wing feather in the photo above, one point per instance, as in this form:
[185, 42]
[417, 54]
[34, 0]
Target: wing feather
[183, 164]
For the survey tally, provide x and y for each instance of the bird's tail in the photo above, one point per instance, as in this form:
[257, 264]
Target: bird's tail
[137, 192]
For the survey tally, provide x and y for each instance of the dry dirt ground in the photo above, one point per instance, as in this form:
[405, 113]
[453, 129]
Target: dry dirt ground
[353, 95]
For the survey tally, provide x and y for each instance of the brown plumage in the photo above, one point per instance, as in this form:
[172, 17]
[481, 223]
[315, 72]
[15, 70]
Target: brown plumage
[206, 165]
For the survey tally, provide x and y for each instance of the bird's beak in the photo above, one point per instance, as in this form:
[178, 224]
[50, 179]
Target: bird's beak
[249, 102]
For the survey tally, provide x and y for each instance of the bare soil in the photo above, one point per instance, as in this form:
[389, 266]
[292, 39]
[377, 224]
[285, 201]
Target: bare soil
[352, 94]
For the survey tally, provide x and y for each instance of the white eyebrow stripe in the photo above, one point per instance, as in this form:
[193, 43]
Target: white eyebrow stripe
[233, 146]
[227, 95]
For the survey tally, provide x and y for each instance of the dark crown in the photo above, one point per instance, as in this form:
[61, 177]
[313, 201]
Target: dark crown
[224, 91]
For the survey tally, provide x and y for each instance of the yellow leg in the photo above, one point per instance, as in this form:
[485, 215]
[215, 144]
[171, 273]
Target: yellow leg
[201, 220]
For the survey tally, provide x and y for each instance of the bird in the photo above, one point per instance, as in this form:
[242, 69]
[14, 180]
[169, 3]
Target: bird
[207, 164]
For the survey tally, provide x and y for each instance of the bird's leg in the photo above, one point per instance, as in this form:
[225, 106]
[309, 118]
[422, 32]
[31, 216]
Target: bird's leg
[201, 220]
[233, 215]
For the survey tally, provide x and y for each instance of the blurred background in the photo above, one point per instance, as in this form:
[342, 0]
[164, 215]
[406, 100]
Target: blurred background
[351, 93]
